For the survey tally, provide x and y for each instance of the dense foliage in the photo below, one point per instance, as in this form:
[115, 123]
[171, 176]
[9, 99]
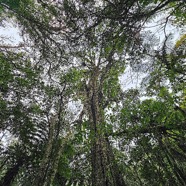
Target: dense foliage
[66, 119]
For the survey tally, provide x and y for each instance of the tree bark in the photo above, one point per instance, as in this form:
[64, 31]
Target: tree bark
[105, 171]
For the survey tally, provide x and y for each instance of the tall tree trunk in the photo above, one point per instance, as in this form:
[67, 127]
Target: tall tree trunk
[105, 171]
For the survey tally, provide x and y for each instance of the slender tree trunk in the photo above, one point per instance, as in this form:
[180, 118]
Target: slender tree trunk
[11, 174]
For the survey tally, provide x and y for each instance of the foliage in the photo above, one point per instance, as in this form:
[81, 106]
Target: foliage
[64, 117]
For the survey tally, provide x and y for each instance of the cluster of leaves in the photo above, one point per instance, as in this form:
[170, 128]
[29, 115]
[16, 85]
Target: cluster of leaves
[154, 129]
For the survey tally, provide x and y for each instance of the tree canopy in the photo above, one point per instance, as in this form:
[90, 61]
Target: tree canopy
[65, 117]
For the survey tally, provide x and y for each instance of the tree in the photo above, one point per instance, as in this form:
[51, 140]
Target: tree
[80, 49]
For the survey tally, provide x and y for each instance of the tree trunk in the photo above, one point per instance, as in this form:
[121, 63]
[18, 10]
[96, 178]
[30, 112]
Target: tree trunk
[105, 171]
[11, 173]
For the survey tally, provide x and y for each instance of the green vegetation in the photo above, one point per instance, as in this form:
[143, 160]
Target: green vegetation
[65, 119]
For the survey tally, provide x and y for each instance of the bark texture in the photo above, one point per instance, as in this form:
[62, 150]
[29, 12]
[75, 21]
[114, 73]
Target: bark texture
[105, 171]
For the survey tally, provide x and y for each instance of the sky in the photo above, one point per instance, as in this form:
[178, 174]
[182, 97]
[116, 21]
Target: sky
[9, 34]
